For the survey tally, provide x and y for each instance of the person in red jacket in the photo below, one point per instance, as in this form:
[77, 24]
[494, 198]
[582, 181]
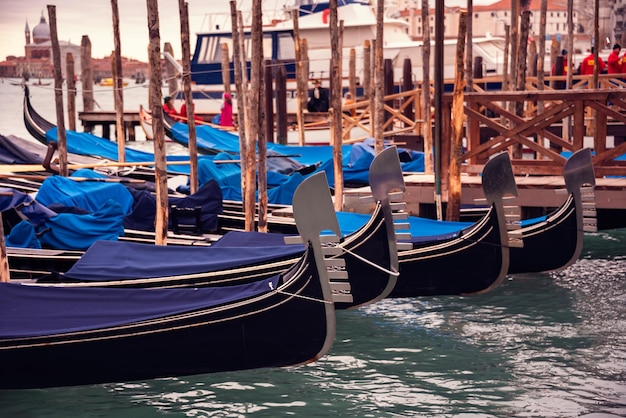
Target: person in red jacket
[588, 64]
[615, 62]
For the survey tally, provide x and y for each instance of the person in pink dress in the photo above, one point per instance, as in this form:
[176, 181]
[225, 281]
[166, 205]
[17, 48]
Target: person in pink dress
[226, 115]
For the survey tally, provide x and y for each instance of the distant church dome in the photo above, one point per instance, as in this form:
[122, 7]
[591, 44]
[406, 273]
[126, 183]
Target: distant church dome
[41, 32]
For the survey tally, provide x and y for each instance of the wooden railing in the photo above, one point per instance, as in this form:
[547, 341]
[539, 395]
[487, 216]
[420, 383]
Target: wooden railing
[568, 120]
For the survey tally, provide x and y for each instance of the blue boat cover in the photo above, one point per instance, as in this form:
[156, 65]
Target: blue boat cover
[23, 235]
[108, 260]
[44, 227]
[208, 198]
[32, 311]
[84, 143]
[71, 231]
[34, 211]
[87, 195]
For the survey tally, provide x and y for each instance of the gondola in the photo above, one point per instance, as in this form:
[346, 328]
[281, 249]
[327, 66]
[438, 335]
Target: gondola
[52, 336]
[555, 241]
[369, 254]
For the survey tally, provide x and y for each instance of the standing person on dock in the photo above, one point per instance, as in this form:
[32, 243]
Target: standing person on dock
[588, 64]
[615, 62]
[318, 102]
[226, 115]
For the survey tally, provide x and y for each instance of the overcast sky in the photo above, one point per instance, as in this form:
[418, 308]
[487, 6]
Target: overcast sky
[93, 18]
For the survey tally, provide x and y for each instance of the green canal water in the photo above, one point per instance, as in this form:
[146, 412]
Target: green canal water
[541, 345]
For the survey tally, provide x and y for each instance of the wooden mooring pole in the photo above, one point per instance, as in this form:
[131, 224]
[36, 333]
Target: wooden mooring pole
[58, 91]
[453, 210]
[118, 85]
[160, 167]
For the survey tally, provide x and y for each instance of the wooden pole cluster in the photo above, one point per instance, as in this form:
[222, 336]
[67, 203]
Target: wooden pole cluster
[183, 9]
[453, 210]
[58, 91]
[160, 167]
[118, 86]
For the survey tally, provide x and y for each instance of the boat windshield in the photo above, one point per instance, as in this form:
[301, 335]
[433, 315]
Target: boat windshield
[210, 50]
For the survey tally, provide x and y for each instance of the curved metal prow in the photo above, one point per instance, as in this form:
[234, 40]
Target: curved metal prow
[580, 181]
[385, 174]
[313, 208]
[498, 179]
[578, 171]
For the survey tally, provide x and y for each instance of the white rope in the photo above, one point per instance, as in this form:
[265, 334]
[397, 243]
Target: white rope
[366, 261]
[300, 296]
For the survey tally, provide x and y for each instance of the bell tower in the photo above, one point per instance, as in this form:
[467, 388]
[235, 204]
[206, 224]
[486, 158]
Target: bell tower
[27, 33]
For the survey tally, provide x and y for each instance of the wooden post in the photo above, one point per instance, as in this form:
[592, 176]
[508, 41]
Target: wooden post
[440, 121]
[515, 10]
[335, 104]
[226, 68]
[301, 79]
[469, 57]
[160, 168]
[388, 89]
[268, 101]
[541, 51]
[281, 104]
[118, 85]
[58, 90]
[521, 73]
[352, 73]
[367, 70]
[71, 91]
[427, 131]
[252, 115]
[86, 74]
[170, 70]
[379, 113]
[453, 211]
[407, 85]
[183, 10]
[555, 47]
[531, 61]
[262, 143]
[242, 94]
[505, 64]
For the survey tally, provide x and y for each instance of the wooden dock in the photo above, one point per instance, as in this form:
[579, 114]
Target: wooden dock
[106, 119]
[537, 196]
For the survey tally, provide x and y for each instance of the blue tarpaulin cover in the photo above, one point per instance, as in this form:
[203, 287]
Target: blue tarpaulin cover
[88, 195]
[30, 311]
[107, 260]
